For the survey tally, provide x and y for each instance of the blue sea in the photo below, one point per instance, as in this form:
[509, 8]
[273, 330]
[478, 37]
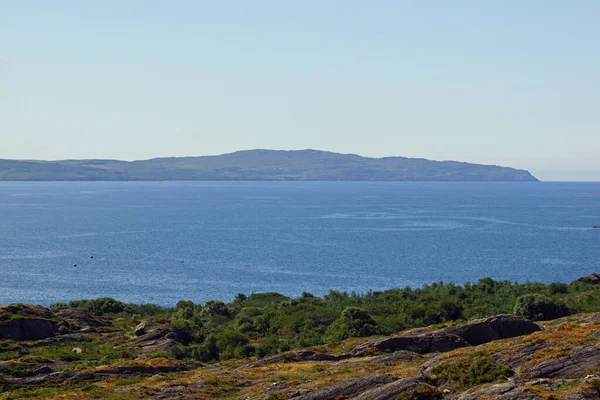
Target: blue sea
[160, 242]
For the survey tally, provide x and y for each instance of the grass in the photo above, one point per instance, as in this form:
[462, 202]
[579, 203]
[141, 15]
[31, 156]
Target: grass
[94, 352]
[128, 381]
[471, 370]
[423, 391]
[24, 311]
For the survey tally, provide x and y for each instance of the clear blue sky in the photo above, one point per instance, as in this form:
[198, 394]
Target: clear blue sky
[498, 82]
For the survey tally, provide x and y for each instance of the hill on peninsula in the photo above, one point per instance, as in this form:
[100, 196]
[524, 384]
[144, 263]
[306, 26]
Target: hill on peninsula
[261, 165]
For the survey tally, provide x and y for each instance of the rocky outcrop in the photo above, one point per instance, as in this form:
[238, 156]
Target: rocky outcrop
[450, 338]
[592, 279]
[147, 369]
[79, 319]
[396, 356]
[28, 329]
[24, 322]
[104, 372]
[494, 328]
[154, 337]
[391, 390]
[521, 353]
[142, 328]
[347, 388]
[429, 343]
[574, 365]
[294, 356]
[27, 322]
[503, 391]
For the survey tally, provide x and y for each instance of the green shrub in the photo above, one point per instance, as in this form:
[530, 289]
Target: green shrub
[267, 346]
[240, 298]
[558, 288]
[204, 352]
[538, 307]
[233, 344]
[108, 305]
[423, 391]
[353, 322]
[215, 308]
[144, 310]
[188, 329]
[101, 306]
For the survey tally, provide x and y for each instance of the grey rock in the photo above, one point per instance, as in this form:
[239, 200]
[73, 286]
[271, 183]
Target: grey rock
[590, 319]
[151, 335]
[78, 318]
[401, 355]
[570, 366]
[426, 343]
[22, 351]
[347, 388]
[294, 393]
[274, 387]
[593, 279]
[490, 391]
[158, 346]
[391, 390]
[43, 370]
[446, 339]
[494, 328]
[142, 328]
[294, 356]
[521, 353]
[28, 329]
[510, 391]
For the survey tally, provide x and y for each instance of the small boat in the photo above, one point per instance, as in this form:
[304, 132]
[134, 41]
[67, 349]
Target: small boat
[596, 227]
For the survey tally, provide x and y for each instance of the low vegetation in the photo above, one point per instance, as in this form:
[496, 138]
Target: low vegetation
[269, 323]
[245, 349]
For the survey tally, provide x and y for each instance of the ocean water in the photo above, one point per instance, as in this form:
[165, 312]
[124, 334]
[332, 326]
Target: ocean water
[160, 242]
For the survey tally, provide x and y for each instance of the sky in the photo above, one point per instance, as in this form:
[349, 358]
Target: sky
[514, 83]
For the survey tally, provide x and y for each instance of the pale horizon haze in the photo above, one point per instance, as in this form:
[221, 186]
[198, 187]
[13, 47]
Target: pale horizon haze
[508, 83]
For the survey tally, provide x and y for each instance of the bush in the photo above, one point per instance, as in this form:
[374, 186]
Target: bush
[215, 308]
[101, 306]
[108, 305]
[353, 322]
[538, 307]
[233, 344]
[188, 329]
[269, 345]
[240, 298]
[558, 288]
[204, 352]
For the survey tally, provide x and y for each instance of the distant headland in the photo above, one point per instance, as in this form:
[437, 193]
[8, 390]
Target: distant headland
[261, 165]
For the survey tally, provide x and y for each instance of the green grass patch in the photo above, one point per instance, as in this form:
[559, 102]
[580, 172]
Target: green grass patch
[471, 370]
[127, 381]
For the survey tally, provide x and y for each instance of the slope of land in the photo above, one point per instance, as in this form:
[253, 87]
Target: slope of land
[557, 359]
[103, 349]
[271, 165]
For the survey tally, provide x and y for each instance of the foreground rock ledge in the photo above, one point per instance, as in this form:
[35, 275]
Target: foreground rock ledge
[474, 333]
